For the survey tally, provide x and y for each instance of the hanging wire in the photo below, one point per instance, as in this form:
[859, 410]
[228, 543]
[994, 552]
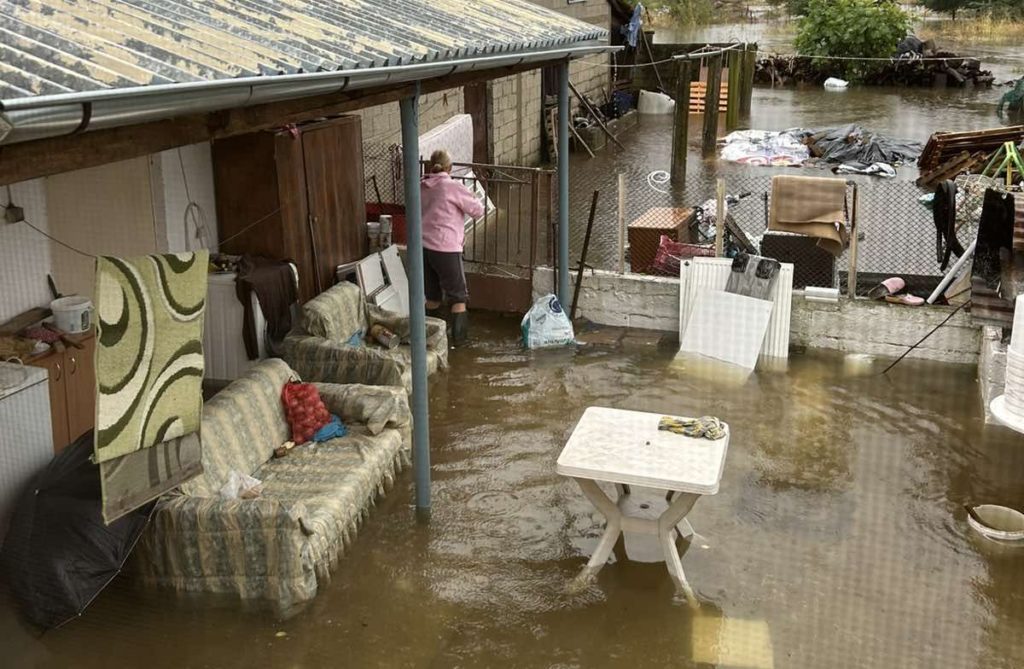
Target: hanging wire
[193, 211]
[57, 241]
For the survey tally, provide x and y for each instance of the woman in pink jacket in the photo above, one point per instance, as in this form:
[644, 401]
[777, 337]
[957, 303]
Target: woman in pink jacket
[445, 204]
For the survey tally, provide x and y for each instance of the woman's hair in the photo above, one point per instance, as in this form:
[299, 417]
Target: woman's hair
[440, 161]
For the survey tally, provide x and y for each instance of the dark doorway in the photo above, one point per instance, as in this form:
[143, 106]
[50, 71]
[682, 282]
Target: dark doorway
[475, 100]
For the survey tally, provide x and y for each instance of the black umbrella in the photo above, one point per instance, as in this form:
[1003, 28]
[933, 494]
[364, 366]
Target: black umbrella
[58, 554]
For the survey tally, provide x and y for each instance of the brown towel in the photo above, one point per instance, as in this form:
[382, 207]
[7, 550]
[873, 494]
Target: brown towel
[812, 206]
[274, 285]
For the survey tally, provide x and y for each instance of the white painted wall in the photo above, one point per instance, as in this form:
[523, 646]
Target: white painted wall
[875, 328]
[25, 255]
[171, 197]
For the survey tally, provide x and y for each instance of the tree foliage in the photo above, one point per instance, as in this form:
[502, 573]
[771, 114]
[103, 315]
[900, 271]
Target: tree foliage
[950, 7]
[1002, 9]
[857, 28]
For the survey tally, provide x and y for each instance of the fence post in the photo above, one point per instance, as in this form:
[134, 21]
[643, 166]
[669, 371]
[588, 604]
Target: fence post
[681, 126]
[732, 104]
[622, 223]
[851, 276]
[711, 97]
[719, 217]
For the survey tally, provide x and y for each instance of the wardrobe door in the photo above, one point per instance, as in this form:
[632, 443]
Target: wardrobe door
[333, 157]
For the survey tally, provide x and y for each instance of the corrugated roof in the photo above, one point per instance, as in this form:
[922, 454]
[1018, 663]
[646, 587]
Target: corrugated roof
[50, 47]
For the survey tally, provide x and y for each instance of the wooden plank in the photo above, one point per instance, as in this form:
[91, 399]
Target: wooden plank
[681, 123]
[45, 157]
[749, 66]
[732, 90]
[711, 104]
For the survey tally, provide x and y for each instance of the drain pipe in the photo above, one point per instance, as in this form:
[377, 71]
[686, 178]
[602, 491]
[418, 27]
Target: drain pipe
[417, 308]
[564, 296]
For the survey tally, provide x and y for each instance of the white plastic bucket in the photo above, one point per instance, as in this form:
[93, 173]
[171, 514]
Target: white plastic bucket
[999, 523]
[72, 314]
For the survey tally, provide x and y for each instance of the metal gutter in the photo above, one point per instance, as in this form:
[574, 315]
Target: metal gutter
[31, 118]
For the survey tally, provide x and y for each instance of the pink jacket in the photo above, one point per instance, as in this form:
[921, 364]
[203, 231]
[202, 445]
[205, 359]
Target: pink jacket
[445, 204]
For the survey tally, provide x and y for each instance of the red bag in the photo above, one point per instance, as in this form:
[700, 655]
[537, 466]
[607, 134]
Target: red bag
[304, 410]
[670, 254]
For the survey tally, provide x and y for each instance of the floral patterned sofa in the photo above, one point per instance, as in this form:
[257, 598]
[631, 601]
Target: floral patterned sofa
[282, 545]
[331, 342]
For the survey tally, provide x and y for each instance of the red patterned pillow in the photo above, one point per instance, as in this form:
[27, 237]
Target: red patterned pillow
[304, 410]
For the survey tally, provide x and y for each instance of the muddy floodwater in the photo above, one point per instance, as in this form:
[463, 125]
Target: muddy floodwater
[838, 537]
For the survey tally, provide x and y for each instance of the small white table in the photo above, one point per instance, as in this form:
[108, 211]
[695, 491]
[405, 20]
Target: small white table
[626, 448]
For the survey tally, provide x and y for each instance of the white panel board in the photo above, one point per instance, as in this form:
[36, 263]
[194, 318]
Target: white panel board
[395, 271]
[700, 273]
[370, 274]
[727, 327]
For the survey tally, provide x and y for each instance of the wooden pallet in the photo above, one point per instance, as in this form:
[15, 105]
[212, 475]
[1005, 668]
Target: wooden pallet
[962, 163]
[945, 146]
[699, 90]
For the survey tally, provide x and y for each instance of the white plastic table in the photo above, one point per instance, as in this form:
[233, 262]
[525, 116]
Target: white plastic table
[626, 448]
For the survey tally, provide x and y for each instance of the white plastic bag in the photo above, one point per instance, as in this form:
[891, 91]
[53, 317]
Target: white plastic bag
[546, 324]
[241, 486]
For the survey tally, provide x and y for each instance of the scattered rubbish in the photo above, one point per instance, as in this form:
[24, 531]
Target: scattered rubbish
[58, 555]
[546, 324]
[241, 486]
[914, 65]
[1013, 99]
[821, 294]
[281, 635]
[961, 163]
[891, 290]
[855, 144]
[998, 523]
[652, 102]
[384, 336]
[874, 169]
[944, 146]
[705, 427]
[855, 148]
[753, 276]
[836, 84]
[765, 147]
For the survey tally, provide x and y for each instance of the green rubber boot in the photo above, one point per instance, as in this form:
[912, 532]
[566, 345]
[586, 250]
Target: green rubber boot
[460, 328]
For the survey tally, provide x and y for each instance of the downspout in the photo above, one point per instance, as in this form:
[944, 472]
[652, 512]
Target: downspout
[563, 184]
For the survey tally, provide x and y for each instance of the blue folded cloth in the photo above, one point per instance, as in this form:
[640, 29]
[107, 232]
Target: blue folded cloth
[332, 430]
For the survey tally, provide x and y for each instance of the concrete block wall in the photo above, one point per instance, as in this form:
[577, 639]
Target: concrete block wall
[514, 126]
[861, 326]
[382, 125]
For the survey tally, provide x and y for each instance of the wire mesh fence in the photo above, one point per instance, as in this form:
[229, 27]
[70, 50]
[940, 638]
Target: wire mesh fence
[647, 224]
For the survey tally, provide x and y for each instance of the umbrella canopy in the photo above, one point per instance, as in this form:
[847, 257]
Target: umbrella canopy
[58, 555]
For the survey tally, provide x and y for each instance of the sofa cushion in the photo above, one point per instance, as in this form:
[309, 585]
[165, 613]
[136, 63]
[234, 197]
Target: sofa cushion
[337, 314]
[335, 481]
[241, 426]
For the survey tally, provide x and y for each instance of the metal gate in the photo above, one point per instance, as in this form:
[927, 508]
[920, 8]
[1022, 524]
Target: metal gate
[502, 246]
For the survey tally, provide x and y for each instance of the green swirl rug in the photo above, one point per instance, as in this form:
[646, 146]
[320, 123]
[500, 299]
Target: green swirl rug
[149, 369]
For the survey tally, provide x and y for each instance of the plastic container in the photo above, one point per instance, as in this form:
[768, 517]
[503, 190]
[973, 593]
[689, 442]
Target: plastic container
[652, 102]
[72, 314]
[836, 83]
[999, 523]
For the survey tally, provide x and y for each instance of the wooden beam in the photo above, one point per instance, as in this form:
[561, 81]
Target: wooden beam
[53, 155]
[749, 66]
[711, 104]
[681, 124]
[732, 105]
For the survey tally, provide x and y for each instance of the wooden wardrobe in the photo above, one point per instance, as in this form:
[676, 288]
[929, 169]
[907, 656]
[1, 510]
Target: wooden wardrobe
[307, 183]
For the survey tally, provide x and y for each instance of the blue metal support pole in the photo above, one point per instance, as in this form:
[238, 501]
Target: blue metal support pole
[564, 296]
[417, 308]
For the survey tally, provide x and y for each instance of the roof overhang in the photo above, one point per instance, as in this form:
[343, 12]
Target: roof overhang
[39, 117]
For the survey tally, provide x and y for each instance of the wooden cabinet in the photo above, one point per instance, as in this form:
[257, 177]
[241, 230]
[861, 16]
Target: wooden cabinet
[72, 380]
[305, 186]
